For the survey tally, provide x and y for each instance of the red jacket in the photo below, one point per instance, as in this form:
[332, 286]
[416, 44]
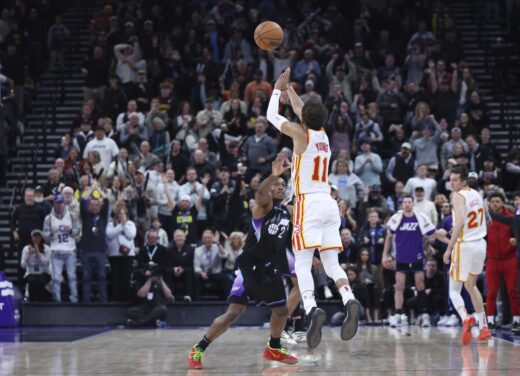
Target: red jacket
[498, 246]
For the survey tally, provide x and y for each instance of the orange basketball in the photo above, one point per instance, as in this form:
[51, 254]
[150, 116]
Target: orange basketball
[268, 35]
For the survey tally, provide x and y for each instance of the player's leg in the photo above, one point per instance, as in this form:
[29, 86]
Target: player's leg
[478, 303]
[294, 297]
[511, 279]
[400, 281]
[458, 302]
[492, 286]
[238, 301]
[421, 299]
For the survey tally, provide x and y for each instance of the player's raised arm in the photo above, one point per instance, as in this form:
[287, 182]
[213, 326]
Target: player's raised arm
[458, 224]
[293, 130]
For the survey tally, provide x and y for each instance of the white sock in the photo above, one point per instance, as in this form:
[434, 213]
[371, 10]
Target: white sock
[482, 323]
[346, 293]
[491, 319]
[308, 301]
[462, 313]
[516, 319]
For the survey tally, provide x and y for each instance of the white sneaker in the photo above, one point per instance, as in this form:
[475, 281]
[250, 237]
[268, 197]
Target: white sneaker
[425, 320]
[328, 294]
[288, 338]
[394, 321]
[453, 320]
[404, 320]
[299, 336]
[442, 321]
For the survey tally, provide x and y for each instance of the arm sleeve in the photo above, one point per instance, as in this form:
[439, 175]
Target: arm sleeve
[272, 110]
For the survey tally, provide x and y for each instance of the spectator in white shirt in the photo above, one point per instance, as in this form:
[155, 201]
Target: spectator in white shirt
[106, 147]
[424, 206]
[422, 180]
[129, 61]
[122, 118]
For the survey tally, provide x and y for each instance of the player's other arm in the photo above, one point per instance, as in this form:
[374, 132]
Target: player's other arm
[263, 196]
[296, 101]
[458, 224]
[388, 244]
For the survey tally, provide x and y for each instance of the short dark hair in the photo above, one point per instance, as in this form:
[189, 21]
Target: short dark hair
[515, 194]
[462, 171]
[408, 195]
[314, 114]
[496, 194]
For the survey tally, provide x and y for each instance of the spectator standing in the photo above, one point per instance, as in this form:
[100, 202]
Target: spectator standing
[60, 229]
[208, 118]
[106, 147]
[36, 259]
[425, 206]
[426, 145]
[27, 217]
[368, 166]
[401, 167]
[128, 57]
[258, 84]
[350, 187]
[169, 192]
[94, 216]
[429, 185]
[336, 75]
[259, 150]
[95, 70]
[200, 196]
[222, 193]
[120, 235]
[56, 38]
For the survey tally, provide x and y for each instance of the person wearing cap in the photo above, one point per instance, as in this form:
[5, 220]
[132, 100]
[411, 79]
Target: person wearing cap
[185, 215]
[106, 147]
[335, 71]
[140, 90]
[39, 199]
[60, 230]
[425, 206]
[258, 83]
[71, 204]
[401, 166]
[306, 66]
[128, 61]
[132, 135]
[36, 260]
[426, 143]
[367, 165]
[447, 147]
[114, 98]
[429, 185]
[95, 70]
[477, 111]
[490, 173]
[367, 129]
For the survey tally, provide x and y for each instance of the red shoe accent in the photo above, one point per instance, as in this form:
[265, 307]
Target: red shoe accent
[195, 358]
[466, 330]
[485, 334]
[279, 355]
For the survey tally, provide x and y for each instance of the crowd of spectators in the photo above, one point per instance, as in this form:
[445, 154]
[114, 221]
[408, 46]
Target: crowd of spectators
[164, 157]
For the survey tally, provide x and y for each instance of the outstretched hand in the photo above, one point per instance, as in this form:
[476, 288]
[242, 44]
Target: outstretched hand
[280, 165]
[281, 82]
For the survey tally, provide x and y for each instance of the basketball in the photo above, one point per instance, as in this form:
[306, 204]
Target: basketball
[268, 35]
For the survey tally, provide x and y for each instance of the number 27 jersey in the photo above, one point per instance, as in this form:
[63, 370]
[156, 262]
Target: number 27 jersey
[474, 216]
[310, 170]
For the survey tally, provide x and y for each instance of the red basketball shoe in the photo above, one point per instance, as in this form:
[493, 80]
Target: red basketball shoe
[195, 358]
[466, 330]
[279, 355]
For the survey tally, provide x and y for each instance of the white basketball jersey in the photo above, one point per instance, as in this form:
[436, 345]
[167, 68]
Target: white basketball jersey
[310, 170]
[475, 217]
[62, 240]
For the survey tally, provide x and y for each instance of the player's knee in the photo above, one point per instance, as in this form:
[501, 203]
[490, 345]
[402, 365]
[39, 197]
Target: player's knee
[399, 287]
[281, 311]
[331, 265]
[234, 311]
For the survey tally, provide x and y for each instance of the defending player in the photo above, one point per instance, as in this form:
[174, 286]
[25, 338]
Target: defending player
[467, 249]
[259, 275]
[316, 215]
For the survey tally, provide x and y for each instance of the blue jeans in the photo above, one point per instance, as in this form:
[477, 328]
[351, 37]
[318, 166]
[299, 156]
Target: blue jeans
[59, 259]
[89, 261]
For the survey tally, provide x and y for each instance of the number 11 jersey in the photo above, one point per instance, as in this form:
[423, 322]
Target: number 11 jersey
[474, 216]
[310, 170]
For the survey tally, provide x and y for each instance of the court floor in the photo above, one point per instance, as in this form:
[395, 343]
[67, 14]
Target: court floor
[374, 351]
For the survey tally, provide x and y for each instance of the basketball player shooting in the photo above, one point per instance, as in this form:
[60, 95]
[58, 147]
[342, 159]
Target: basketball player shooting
[316, 218]
[467, 250]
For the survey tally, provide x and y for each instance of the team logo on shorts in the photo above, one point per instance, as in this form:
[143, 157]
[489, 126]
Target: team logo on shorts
[296, 229]
[272, 229]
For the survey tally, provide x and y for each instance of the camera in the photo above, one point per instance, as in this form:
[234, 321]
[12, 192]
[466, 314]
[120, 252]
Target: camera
[153, 268]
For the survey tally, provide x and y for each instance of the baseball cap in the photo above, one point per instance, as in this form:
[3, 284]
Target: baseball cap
[419, 188]
[129, 23]
[334, 187]
[375, 188]
[309, 82]
[36, 232]
[185, 198]
[456, 130]
[233, 144]
[59, 199]
[224, 168]
[140, 171]
[406, 145]
[38, 189]
[473, 175]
